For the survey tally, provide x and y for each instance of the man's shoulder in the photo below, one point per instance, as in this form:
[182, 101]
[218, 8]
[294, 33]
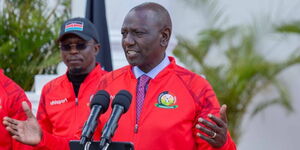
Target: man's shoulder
[190, 78]
[56, 81]
[11, 93]
[115, 76]
[117, 73]
[184, 72]
[8, 84]
[98, 70]
[4, 78]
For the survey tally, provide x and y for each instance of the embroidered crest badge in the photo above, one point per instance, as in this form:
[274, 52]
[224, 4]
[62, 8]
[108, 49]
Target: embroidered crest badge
[166, 100]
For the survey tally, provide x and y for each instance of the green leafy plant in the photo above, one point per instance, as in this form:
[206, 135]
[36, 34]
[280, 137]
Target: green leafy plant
[28, 30]
[243, 72]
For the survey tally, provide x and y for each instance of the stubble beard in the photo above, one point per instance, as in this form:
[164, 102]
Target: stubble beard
[75, 71]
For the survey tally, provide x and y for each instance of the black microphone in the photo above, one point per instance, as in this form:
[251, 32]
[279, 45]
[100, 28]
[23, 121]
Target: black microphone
[120, 106]
[99, 105]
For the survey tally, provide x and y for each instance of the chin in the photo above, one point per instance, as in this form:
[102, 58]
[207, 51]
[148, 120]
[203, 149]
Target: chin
[75, 70]
[133, 62]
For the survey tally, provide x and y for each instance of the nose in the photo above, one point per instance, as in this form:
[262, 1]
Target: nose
[128, 40]
[73, 49]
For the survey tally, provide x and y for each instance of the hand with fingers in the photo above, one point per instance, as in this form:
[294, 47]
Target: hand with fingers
[28, 131]
[215, 131]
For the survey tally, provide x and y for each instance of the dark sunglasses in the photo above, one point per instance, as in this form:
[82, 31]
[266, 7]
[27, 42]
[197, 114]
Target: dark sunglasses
[78, 46]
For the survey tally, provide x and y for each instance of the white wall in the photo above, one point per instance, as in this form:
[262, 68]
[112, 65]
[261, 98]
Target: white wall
[1, 4]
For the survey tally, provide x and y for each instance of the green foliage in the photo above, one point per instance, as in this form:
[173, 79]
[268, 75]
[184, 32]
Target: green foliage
[244, 72]
[28, 30]
[293, 27]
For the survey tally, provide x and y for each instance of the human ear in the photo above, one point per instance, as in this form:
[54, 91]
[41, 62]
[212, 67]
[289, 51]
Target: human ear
[165, 36]
[97, 48]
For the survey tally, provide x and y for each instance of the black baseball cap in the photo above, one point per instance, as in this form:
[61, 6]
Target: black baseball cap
[81, 27]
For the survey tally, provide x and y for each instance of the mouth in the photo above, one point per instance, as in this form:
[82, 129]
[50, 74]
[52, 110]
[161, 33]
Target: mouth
[74, 61]
[131, 53]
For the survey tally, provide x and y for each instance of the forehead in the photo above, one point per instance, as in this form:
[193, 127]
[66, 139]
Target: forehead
[147, 19]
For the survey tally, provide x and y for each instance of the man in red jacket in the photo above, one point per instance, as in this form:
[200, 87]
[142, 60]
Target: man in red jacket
[64, 103]
[11, 99]
[172, 107]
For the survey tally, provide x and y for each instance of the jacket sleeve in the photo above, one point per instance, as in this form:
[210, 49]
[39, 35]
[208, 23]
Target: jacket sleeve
[42, 115]
[49, 141]
[207, 103]
[16, 96]
[20, 115]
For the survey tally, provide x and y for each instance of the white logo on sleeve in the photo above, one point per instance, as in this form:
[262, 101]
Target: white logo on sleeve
[57, 102]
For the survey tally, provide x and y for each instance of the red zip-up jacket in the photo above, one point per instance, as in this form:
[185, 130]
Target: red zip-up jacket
[175, 99]
[11, 98]
[61, 114]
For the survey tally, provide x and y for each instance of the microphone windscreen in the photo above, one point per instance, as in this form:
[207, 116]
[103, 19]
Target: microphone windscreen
[101, 98]
[123, 98]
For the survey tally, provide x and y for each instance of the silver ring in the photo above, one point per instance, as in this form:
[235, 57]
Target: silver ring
[215, 134]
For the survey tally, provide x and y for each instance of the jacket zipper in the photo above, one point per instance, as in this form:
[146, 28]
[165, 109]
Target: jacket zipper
[76, 101]
[136, 128]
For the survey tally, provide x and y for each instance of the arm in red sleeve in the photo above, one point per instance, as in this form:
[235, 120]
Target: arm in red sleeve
[48, 141]
[19, 115]
[207, 103]
[13, 104]
[42, 115]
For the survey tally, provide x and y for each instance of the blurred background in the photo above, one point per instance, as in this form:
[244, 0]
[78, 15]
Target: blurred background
[247, 49]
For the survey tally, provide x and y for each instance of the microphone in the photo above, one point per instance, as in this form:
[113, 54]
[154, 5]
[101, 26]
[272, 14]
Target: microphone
[99, 105]
[120, 106]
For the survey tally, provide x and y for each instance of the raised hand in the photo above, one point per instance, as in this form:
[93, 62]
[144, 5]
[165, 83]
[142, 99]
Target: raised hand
[28, 131]
[216, 131]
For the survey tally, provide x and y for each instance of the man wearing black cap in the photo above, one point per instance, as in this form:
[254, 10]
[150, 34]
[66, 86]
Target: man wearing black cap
[64, 103]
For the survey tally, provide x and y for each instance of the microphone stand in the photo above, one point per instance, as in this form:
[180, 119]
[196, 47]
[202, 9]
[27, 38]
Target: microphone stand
[104, 144]
[87, 145]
